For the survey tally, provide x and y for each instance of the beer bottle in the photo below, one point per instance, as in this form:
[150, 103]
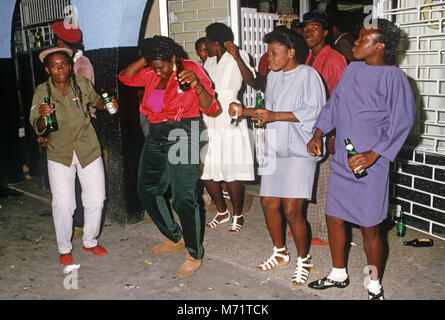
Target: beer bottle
[51, 120]
[259, 105]
[109, 103]
[179, 69]
[351, 151]
[427, 242]
[401, 226]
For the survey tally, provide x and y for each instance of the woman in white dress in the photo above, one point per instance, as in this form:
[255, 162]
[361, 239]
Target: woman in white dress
[294, 97]
[229, 155]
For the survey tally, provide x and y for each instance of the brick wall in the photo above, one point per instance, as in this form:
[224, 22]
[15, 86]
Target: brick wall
[417, 183]
[188, 20]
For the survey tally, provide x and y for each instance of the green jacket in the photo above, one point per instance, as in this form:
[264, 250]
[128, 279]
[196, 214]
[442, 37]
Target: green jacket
[75, 131]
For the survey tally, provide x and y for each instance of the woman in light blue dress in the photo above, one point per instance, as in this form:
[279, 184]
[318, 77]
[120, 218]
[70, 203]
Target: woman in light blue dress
[294, 97]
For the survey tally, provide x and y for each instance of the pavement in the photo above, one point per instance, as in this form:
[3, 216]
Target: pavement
[30, 269]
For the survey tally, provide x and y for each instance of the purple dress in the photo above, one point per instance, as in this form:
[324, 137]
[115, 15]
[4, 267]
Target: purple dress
[374, 107]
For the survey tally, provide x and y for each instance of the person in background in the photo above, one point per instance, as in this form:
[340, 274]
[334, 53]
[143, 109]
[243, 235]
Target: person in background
[294, 97]
[297, 26]
[229, 156]
[373, 106]
[73, 148]
[330, 65]
[201, 50]
[344, 39]
[172, 111]
[70, 36]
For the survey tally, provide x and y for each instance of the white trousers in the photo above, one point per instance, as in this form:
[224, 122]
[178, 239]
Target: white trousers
[92, 181]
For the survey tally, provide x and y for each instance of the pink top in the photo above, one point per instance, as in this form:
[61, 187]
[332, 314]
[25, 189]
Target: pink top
[155, 99]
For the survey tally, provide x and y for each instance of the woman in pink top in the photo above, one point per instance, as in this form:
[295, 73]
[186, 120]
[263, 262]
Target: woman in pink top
[171, 153]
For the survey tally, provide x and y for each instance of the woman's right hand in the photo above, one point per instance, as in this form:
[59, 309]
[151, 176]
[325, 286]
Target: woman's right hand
[45, 110]
[235, 108]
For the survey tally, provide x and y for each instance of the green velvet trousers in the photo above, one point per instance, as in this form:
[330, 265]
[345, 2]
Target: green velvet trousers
[171, 157]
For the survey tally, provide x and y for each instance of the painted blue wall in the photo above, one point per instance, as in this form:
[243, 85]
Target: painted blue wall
[6, 11]
[109, 23]
[104, 23]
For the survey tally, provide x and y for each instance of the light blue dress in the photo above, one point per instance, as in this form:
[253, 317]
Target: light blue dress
[288, 171]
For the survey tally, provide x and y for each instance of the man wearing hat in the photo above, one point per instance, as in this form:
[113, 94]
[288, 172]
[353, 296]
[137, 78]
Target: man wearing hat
[70, 36]
[330, 65]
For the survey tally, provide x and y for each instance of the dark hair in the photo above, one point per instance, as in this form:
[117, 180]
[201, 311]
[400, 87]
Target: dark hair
[390, 36]
[292, 40]
[296, 24]
[75, 87]
[219, 32]
[198, 42]
[71, 45]
[161, 48]
[341, 20]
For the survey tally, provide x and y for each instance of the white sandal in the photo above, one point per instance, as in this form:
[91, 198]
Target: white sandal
[272, 262]
[235, 226]
[226, 195]
[214, 223]
[302, 270]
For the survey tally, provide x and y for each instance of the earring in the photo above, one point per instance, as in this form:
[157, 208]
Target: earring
[215, 48]
[174, 67]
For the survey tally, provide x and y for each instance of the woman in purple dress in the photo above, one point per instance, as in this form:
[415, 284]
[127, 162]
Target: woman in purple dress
[373, 106]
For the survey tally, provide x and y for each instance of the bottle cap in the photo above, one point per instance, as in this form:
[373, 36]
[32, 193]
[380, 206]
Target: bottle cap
[104, 94]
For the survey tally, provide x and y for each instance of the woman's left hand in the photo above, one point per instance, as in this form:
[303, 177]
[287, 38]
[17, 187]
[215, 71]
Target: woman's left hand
[264, 115]
[188, 76]
[362, 160]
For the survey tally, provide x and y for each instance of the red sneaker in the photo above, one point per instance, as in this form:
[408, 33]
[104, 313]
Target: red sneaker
[99, 250]
[66, 259]
[318, 242]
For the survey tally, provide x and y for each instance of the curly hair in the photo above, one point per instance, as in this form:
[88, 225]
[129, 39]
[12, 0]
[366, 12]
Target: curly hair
[390, 36]
[219, 32]
[198, 43]
[161, 48]
[290, 39]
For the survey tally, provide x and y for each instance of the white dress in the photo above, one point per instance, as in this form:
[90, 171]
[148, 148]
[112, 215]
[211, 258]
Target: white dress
[229, 154]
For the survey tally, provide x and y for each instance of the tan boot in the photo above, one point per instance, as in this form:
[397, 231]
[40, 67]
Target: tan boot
[190, 266]
[168, 246]
[78, 232]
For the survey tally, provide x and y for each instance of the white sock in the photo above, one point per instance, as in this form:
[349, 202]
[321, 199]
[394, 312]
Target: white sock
[338, 274]
[374, 286]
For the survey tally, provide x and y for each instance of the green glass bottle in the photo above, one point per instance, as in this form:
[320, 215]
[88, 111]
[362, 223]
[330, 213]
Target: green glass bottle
[401, 226]
[51, 120]
[259, 105]
[351, 151]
